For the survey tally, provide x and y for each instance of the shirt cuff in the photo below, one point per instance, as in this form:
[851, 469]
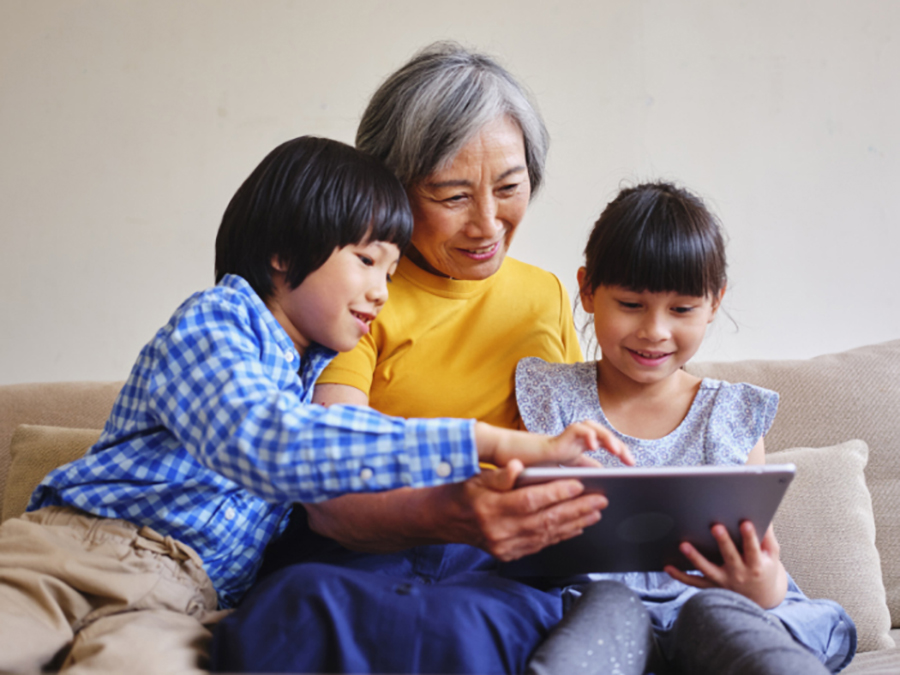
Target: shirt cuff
[440, 451]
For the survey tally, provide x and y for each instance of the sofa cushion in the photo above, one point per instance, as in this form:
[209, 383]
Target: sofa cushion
[826, 400]
[82, 405]
[37, 450]
[826, 530]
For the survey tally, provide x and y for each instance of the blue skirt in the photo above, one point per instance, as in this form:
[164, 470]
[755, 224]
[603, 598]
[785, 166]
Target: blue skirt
[320, 608]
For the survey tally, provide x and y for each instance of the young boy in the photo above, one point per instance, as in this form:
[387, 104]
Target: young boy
[126, 553]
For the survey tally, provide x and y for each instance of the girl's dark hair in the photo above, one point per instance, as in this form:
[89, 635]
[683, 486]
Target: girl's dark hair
[659, 238]
[308, 197]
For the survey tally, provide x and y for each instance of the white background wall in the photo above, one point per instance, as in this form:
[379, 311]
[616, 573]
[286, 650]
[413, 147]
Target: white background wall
[126, 126]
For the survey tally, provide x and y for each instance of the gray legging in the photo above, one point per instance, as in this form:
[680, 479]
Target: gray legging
[717, 632]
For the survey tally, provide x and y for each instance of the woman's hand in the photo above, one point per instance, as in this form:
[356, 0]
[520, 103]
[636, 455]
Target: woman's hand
[483, 511]
[499, 446]
[757, 575]
[508, 523]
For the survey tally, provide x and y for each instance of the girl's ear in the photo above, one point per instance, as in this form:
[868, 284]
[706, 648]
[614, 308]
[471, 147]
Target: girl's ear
[717, 302]
[587, 296]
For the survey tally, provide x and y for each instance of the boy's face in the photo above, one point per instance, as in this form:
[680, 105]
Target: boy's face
[335, 305]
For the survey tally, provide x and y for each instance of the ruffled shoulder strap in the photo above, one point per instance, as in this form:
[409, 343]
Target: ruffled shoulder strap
[741, 414]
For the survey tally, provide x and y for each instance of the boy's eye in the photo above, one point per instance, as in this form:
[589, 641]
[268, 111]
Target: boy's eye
[682, 310]
[389, 278]
[629, 305]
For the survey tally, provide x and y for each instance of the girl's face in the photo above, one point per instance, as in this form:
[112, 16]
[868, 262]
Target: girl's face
[647, 336]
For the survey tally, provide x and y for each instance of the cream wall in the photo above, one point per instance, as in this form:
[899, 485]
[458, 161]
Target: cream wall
[126, 126]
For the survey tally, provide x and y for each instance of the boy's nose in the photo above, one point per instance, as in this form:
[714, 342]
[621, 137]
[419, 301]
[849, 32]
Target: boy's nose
[378, 293]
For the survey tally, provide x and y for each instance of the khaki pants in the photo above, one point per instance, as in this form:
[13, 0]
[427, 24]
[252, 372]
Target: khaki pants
[81, 593]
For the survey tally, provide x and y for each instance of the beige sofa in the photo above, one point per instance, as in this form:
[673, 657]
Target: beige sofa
[838, 421]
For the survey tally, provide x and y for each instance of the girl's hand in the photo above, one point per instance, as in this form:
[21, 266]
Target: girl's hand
[500, 446]
[758, 575]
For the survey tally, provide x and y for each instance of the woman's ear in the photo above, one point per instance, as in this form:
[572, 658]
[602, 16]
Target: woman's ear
[587, 296]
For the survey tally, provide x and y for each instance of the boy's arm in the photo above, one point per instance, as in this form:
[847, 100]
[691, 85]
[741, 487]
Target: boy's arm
[211, 391]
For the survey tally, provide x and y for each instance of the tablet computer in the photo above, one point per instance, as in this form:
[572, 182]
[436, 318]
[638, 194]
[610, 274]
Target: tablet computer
[652, 510]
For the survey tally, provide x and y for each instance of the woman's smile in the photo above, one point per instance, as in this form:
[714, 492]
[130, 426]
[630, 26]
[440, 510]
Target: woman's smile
[482, 252]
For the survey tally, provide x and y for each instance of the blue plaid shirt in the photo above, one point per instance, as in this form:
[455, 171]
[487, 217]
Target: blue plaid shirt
[214, 436]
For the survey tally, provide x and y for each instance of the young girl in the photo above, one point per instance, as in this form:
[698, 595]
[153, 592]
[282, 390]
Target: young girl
[654, 277]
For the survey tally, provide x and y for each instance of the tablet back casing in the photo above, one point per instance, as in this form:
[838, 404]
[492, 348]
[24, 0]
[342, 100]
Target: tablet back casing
[652, 510]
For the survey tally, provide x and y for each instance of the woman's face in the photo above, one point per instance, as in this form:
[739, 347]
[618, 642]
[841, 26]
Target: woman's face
[466, 213]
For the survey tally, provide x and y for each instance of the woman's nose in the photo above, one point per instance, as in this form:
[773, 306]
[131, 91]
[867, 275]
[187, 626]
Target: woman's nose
[484, 222]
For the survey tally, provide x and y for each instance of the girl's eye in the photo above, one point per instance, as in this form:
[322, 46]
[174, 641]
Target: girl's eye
[389, 278]
[682, 310]
[366, 260]
[629, 305]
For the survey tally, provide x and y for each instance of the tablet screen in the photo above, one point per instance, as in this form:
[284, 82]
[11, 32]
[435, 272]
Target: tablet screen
[652, 510]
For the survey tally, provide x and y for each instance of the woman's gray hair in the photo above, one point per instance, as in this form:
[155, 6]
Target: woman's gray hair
[424, 113]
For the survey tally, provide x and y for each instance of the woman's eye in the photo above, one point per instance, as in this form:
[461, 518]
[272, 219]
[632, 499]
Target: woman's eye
[509, 189]
[454, 199]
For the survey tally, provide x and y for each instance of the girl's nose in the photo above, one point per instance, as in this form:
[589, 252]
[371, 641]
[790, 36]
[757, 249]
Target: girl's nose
[655, 328]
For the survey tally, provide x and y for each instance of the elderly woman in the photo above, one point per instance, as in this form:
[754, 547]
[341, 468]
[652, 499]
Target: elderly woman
[405, 580]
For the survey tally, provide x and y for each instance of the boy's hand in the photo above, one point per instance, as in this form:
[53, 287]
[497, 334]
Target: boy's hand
[499, 446]
[757, 575]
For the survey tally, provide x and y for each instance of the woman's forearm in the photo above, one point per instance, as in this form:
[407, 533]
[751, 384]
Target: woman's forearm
[383, 521]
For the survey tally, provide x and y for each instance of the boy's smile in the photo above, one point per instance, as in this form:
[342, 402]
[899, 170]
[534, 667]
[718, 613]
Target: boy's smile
[336, 304]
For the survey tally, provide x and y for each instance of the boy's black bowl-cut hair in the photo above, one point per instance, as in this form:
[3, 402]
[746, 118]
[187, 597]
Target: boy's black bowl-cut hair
[308, 197]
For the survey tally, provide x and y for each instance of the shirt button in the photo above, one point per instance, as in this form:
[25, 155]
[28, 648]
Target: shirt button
[229, 513]
[443, 469]
[289, 356]
[366, 474]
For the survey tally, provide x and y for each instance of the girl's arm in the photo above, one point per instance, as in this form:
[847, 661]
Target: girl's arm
[758, 574]
[757, 455]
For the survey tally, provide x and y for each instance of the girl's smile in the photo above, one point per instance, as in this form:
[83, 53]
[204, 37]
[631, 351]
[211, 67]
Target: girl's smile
[645, 358]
